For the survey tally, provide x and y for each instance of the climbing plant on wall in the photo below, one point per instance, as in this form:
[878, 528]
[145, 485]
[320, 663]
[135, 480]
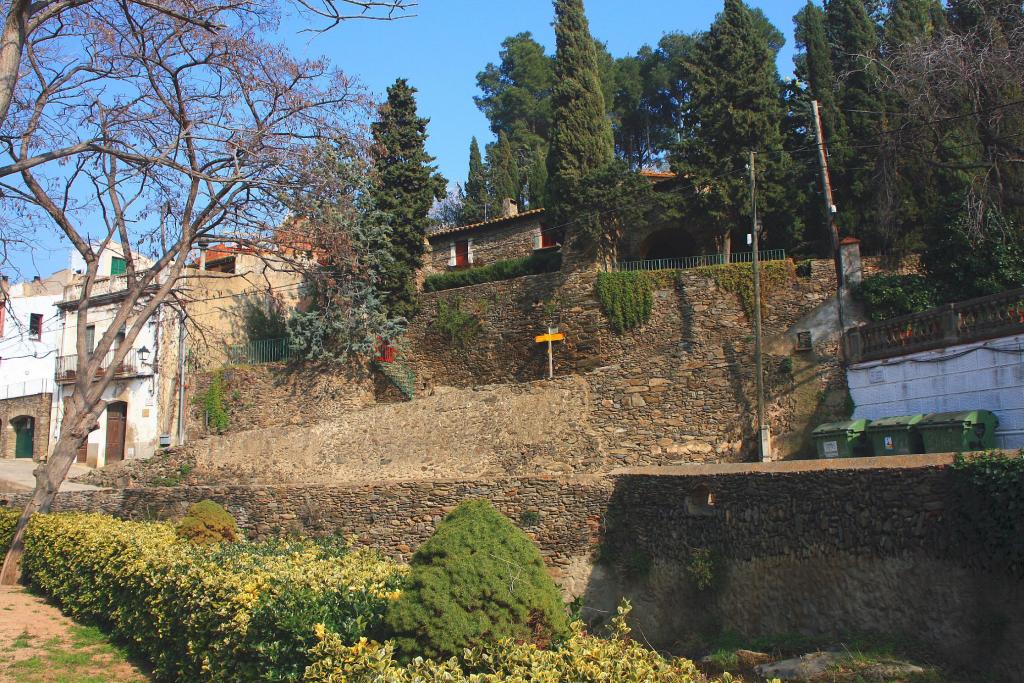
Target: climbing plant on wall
[738, 278]
[989, 490]
[627, 298]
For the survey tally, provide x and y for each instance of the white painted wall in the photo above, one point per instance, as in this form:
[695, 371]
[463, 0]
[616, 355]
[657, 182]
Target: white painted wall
[27, 365]
[981, 376]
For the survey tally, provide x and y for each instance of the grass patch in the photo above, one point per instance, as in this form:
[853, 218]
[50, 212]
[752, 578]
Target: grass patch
[22, 641]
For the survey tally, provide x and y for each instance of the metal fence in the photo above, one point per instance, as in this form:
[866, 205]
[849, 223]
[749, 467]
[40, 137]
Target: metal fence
[67, 366]
[29, 387]
[688, 262]
[261, 351]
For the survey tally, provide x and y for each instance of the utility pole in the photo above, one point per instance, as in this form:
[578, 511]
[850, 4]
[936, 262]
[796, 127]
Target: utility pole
[764, 436]
[830, 216]
[181, 377]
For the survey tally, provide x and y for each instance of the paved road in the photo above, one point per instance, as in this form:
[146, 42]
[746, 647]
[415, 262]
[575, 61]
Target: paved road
[16, 475]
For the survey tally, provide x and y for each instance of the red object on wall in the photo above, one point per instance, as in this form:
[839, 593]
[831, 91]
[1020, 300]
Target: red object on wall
[385, 351]
[548, 239]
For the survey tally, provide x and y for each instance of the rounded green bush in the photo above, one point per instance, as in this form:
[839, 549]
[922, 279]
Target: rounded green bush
[207, 522]
[476, 580]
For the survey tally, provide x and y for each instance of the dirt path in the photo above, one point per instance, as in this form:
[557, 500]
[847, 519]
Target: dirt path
[38, 644]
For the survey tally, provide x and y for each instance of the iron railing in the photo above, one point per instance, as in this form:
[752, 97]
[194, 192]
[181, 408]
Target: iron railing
[259, 352]
[30, 387]
[987, 317]
[688, 262]
[67, 366]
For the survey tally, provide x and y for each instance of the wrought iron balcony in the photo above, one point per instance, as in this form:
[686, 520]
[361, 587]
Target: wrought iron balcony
[131, 366]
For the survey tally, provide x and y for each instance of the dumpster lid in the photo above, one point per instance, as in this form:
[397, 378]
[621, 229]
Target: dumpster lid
[840, 427]
[891, 422]
[944, 419]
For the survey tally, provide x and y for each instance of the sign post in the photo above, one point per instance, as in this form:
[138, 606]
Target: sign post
[552, 336]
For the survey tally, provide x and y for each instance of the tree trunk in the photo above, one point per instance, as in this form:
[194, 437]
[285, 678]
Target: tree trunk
[12, 43]
[49, 477]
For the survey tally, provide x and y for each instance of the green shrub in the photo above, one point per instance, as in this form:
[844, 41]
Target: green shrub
[8, 520]
[234, 612]
[207, 522]
[627, 298]
[582, 658]
[478, 579]
[540, 262]
[458, 326]
[890, 296]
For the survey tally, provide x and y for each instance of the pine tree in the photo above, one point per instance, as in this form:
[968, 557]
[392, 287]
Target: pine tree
[735, 109]
[406, 188]
[473, 206]
[581, 134]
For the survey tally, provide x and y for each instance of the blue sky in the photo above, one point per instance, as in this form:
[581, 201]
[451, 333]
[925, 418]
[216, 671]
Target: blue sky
[447, 43]
[441, 50]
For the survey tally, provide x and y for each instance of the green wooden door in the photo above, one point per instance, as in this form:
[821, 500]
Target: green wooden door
[24, 435]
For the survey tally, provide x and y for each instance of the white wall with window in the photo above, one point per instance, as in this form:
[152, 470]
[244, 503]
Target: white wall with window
[30, 336]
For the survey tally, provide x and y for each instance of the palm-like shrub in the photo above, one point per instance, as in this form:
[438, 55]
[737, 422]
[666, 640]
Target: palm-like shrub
[207, 522]
[476, 580]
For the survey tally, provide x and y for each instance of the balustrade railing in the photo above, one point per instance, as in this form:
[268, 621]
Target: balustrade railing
[102, 286]
[964, 322]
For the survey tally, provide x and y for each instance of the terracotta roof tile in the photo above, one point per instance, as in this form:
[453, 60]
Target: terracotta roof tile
[481, 224]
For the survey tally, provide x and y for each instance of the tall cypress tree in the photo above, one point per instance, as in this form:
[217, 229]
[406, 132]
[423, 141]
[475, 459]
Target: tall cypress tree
[407, 186]
[503, 173]
[814, 66]
[581, 134]
[909, 21]
[537, 179]
[735, 109]
[854, 37]
[476, 186]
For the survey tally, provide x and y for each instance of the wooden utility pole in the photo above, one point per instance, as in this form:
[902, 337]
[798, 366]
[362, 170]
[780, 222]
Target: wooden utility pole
[764, 438]
[830, 214]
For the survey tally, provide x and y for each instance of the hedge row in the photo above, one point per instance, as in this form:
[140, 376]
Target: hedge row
[539, 262]
[238, 612]
[581, 658]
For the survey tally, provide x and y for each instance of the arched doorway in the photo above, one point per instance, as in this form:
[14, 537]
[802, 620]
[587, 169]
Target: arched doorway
[117, 423]
[669, 243]
[24, 436]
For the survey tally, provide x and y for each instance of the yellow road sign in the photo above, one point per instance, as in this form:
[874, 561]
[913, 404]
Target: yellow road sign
[550, 338]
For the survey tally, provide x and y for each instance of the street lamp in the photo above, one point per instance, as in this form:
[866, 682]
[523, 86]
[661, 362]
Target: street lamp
[143, 355]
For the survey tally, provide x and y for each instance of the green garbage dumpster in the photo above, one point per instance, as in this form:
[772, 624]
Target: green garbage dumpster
[971, 430]
[840, 439]
[896, 435]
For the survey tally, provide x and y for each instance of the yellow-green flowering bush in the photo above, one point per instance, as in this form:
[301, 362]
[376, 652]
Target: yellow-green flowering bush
[582, 658]
[241, 612]
[8, 520]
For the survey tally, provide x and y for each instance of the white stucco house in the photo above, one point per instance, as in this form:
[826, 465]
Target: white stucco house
[29, 340]
[140, 397]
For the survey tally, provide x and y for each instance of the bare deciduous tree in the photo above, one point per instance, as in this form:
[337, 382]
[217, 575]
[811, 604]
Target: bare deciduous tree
[187, 122]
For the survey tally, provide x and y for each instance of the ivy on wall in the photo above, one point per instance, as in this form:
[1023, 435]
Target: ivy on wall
[989, 491]
[627, 298]
[212, 401]
[738, 278]
[458, 326]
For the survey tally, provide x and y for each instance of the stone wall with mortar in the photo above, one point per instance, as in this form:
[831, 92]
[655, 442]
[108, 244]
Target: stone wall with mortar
[820, 549]
[502, 239]
[277, 395]
[678, 389]
[38, 407]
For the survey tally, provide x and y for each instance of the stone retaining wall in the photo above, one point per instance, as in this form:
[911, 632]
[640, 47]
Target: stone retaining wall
[825, 553]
